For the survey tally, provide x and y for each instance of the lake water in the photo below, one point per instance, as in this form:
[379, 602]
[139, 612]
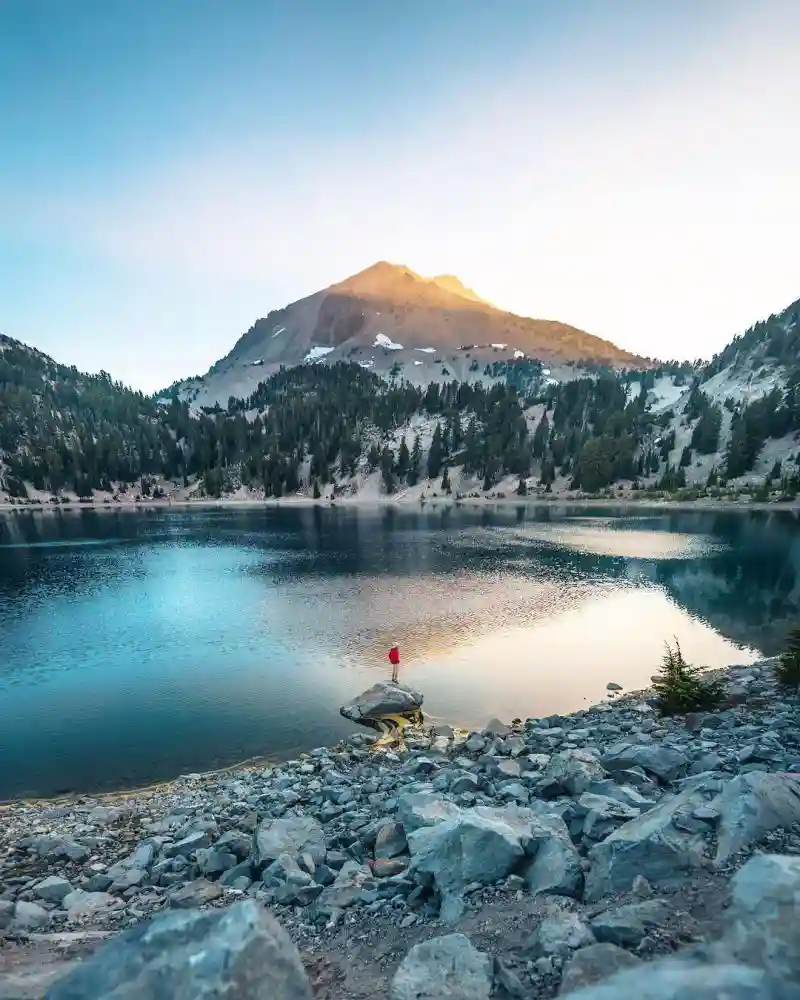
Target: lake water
[138, 646]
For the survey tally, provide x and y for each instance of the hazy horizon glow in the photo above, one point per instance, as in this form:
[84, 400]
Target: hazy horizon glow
[628, 168]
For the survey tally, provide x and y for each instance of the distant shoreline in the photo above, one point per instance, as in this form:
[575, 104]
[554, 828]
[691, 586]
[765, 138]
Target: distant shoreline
[226, 503]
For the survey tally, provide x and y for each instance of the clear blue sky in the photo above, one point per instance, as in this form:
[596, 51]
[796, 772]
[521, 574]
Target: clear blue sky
[172, 169]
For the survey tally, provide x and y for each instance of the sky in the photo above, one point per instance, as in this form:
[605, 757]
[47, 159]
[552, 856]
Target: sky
[171, 170]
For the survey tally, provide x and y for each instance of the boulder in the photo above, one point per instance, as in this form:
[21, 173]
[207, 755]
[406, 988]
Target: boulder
[627, 925]
[29, 916]
[554, 866]
[52, 848]
[472, 847]
[240, 952]
[570, 772]
[235, 842]
[764, 916]
[419, 809]
[603, 814]
[559, 935]
[444, 968]
[196, 893]
[658, 845]
[390, 841]
[662, 761]
[80, 904]
[382, 699]
[215, 862]
[187, 845]
[52, 889]
[751, 805]
[594, 963]
[288, 835]
[347, 888]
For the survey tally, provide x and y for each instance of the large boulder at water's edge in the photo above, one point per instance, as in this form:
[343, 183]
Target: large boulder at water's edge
[382, 699]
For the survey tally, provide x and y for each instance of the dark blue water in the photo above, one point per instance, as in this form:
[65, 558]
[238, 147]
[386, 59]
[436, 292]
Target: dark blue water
[137, 646]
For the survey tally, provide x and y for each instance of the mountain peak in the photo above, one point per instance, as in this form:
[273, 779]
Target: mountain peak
[451, 283]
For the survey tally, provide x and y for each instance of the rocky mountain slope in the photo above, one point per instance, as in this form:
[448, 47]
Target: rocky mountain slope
[387, 318]
[737, 418]
[605, 854]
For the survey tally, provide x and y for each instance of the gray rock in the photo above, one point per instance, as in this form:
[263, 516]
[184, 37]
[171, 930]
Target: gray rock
[627, 925]
[555, 866]
[243, 870]
[559, 935]
[347, 888]
[29, 916]
[751, 805]
[764, 917]
[655, 845]
[472, 848]
[52, 889]
[235, 842]
[662, 761]
[572, 771]
[80, 904]
[196, 893]
[494, 727]
[288, 835]
[215, 862]
[240, 952]
[52, 848]
[443, 968]
[420, 809]
[127, 880]
[390, 840]
[594, 963]
[187, 846]
[382, 699]
[673, 979]
[603, 815]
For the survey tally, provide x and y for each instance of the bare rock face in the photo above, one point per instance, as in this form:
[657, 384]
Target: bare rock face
[240, 953]
[382, 699]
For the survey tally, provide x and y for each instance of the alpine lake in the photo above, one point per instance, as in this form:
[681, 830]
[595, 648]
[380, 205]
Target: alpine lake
[139, 645]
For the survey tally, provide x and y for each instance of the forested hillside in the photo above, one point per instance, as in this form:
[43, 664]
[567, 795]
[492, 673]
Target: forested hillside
[332, 429]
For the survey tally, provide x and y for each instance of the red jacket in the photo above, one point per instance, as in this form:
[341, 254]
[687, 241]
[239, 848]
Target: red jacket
[394, 656]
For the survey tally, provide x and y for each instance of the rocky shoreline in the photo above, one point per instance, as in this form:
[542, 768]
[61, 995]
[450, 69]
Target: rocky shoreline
[525, 860]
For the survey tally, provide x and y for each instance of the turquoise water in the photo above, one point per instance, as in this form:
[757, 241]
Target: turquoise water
[137, 646]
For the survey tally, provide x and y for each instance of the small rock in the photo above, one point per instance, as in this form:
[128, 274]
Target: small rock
[29, 916]
[612, 686]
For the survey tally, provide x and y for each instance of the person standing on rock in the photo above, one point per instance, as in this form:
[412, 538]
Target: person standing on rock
[394, 659]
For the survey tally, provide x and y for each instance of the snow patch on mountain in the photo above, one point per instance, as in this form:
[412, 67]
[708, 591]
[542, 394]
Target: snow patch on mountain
[317, 354]
[381, 340]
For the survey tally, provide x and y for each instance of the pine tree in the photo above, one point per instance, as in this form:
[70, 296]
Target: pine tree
[387, 469]
[435, 455]
[522, 488]
[414, 462]
[445, 481]
[316, 493]
[403, 460]
[681, 687]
